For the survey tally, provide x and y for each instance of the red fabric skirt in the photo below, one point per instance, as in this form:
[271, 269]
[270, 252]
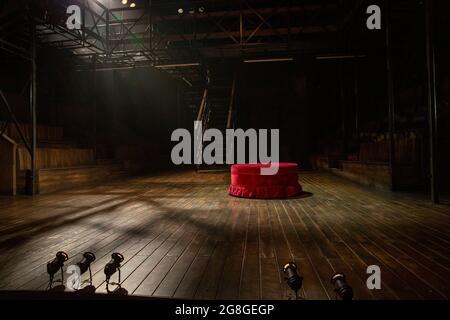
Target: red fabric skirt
[247, 181]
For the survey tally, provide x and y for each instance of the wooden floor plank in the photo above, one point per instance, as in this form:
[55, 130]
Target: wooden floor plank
[250, 287]
[182, 236]
[232, 272]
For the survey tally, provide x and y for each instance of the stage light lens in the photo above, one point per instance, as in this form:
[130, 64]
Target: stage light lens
[124, 1]
[293, 280]
[133, 5]
[85, 264]
[341, 286]
[180, 11]
[201, 9]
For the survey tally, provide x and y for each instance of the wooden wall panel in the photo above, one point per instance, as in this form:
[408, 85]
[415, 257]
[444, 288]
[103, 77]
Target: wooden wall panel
[44, 133]
[8, 149]
[56, 158]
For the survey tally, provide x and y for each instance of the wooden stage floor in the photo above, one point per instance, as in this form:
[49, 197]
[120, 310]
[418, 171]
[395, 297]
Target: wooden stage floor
[182, 236]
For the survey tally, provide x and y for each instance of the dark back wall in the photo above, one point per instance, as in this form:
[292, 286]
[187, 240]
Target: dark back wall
[273, 96]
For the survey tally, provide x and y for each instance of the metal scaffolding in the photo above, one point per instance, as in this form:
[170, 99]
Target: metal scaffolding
[156, 33]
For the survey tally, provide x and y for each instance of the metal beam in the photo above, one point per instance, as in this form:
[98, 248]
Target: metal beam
[391, 98]
[33, 189]
[236, 34]
[162, 38]
[264, 21]
[15, 122]
[432, 102]
[232, 98]
[232, 13]
[13, 49]
[356, 95]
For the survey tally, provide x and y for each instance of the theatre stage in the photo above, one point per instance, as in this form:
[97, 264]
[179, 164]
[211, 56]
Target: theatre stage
[182, 236]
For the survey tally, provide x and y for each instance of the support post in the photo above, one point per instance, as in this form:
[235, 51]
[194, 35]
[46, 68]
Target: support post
[343, 109]
[432, 102]
[94, 100]
[107, 44]
[202, 105]
[391, 98]
[150, 26]
[241, 24]
[33, 173]
[179, 109]
[231, 105]
[356, 93]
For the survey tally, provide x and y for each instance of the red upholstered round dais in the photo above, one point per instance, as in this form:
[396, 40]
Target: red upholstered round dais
[248, 182]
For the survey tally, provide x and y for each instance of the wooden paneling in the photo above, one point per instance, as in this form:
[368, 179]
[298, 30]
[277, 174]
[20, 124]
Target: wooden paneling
[56, 158]
[8, 150]
[370, 174]
[51, 180]
[408, 148]
[376, 175]
[45, 133]
[374, 151]
[182, 236]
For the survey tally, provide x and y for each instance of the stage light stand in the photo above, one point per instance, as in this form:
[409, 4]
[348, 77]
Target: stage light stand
[111, 268]
[56, 265]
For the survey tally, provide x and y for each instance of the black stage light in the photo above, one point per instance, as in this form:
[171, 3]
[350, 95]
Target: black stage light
[85, 264]
[111, 268]
[341, 287]
[114, 265]
[55, 265]
[293, 280]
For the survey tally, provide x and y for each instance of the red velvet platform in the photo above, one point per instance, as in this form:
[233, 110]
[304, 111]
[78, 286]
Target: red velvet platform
[247, 181]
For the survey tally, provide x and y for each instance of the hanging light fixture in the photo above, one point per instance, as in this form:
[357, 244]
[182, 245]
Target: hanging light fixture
[124, 2]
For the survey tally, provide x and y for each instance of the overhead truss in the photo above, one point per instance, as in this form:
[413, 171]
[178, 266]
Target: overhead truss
[183, 35]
